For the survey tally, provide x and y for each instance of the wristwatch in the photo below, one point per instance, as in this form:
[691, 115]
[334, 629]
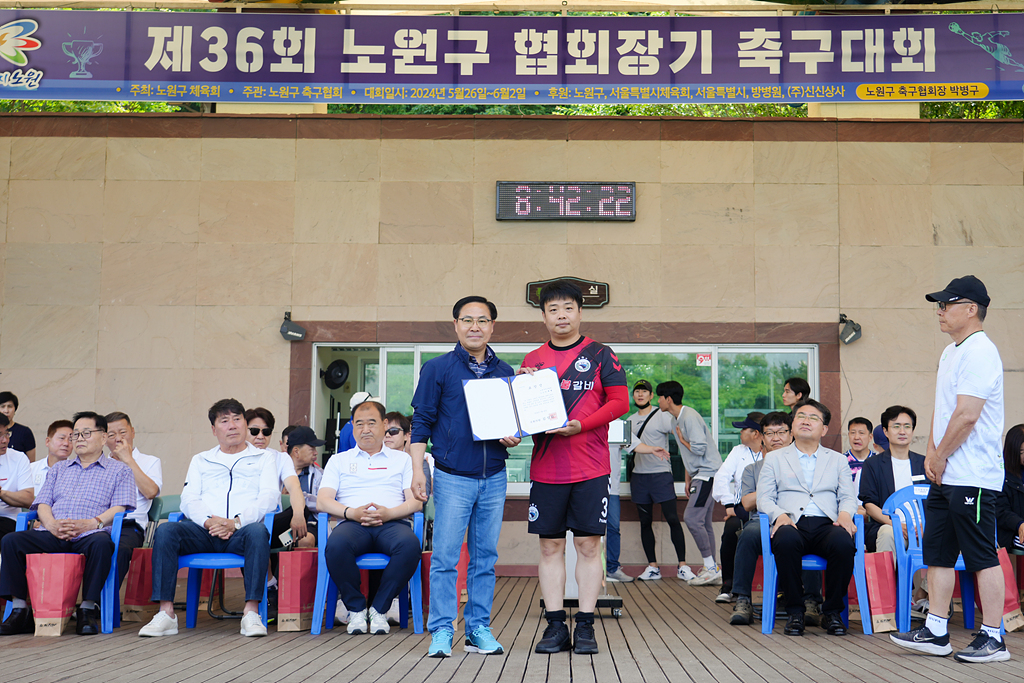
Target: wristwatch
[238, 523]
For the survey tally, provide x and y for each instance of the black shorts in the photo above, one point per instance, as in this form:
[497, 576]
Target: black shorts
[656, 487]
[581, 506]
[960, 520]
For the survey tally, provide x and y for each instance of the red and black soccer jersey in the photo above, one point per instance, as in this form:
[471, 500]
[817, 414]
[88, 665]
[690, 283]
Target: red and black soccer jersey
[594, 390]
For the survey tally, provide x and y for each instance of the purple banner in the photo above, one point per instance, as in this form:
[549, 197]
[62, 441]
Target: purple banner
[262, 57]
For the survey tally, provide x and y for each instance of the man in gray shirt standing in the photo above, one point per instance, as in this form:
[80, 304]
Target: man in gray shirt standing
[652, 480]
[701, 459]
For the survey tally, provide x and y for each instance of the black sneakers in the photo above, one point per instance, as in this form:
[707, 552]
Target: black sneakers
[584, 642]
[984, 648]
[924, 641]
[555, 639]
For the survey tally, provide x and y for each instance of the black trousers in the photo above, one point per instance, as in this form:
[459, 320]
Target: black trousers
[818, 536]
[730, 538]
[98, 549]
[132, 537]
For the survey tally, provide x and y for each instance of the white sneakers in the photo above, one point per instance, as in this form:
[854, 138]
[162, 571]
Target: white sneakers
[357, 623]
[378, 623]
[252, 625]
[394, 615]
[367, 621]
[160, 625]
[650, 574]
[708, 577]
[684, 573]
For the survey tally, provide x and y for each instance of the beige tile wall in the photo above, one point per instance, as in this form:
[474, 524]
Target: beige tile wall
[151, 275]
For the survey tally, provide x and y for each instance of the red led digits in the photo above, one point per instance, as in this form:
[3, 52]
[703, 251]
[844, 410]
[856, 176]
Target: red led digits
[623, 200]
[523, 203]
[570, 201]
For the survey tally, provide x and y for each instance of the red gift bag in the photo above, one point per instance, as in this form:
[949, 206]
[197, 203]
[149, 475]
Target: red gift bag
[138, 590]
[296, 591]
[53, 584]
[881, 579]
[1012, 617]
[757, 585]
[460, 582]
[852, 601]
[425, 576]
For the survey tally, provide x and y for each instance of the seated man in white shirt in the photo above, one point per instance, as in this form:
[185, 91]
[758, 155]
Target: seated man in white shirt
[149, 477]
[58, 447]
[370, 488]
[260, 423]
[16, 490]
[228, 491]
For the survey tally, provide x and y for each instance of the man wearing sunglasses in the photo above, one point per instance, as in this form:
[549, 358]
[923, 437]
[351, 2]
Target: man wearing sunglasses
[260, 423]
[965, 465]
[469, 479]
[78, 502]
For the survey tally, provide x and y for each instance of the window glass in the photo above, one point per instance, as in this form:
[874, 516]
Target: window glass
[752, 381]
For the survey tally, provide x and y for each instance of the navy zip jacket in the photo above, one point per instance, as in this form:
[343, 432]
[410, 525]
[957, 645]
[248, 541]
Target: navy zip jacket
[877, 484]
[440, 416]
[1010, 510]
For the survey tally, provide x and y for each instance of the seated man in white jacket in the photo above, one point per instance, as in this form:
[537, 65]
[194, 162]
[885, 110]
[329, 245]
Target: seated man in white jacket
[228, 491]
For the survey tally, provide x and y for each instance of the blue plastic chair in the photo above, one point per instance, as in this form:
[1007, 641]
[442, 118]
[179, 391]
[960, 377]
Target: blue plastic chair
[110, 607]
[197, 562]
[815, 563]
[907, 505]
[327, 591]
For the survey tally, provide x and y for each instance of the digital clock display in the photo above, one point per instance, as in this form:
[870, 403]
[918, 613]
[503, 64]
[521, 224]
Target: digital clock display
[565, 201]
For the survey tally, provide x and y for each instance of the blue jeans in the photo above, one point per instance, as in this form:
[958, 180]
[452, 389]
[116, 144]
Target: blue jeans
[612, 543]
[462, 503]
[175, 539]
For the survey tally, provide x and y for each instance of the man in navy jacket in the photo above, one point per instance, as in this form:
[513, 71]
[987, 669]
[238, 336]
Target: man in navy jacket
[879, 473]
[469, 479]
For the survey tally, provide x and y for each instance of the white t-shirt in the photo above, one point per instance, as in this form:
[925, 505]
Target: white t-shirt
[39, 468]
[152, 468]
[901, 473]
[285, 466]
[15, 475]
[360, 478]
[973, 368]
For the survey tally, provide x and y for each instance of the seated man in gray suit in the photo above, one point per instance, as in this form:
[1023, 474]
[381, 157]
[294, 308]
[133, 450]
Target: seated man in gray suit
[807, 492]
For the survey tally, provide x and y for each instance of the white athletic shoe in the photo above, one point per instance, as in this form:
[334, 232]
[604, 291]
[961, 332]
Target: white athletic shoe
[708, 577]
[340, 613]
[357, 623]
[378, 623]
[394, 615]
[650, 574]
[684, 573]
[252, 625]
[160, 625]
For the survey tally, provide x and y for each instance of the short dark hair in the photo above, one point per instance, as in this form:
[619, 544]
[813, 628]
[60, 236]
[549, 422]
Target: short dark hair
[559, 290]
[284, 435]
[860, 421]
[671, 389]
[457, 308]
[261, 413]
[4, 422]
[982, 312]
[6, 396]
[826, 414]
[776, 418]
[117, 417]
[892, 412]
[57, 424]
[402, 421]
[1011, 450]
[225, 406]
[799, 386]
[101, 422]
[376, 404]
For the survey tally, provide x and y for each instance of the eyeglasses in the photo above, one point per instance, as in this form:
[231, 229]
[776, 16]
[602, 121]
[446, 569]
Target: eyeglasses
[393, 431]
[809, 418]
[943, 305]
[255, 431]
[85, 434]
[481, 322]
[5, 435]
[781, 432]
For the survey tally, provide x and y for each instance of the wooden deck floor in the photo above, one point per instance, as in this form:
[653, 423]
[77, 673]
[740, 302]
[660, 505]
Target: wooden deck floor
[668, 632]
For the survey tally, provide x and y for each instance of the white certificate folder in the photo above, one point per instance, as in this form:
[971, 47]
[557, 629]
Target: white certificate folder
[515, 406]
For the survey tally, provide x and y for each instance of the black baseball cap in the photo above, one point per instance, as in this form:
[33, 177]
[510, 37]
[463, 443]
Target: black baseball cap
[746, 424]
[643, 384]
[966, 287]
[304, 435]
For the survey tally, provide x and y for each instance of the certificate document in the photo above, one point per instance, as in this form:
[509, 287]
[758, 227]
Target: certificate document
[515, 406]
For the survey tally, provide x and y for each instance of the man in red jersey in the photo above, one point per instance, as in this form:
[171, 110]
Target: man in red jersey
[570, 466]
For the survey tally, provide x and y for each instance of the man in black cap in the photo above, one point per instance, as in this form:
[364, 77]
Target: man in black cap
[652, 483]
[964, 463]
[302, 445]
